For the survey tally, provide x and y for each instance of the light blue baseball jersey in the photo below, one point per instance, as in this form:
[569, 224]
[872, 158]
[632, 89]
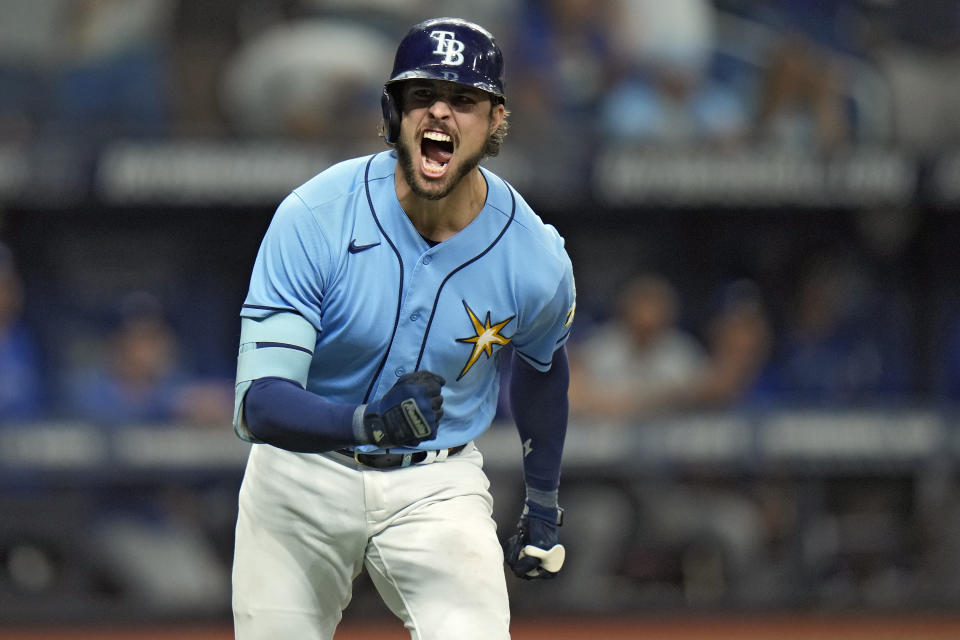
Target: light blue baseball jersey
[341, 252]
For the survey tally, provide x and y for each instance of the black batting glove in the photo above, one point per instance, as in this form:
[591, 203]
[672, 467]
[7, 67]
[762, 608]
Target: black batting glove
[406, 414]
[534, 552]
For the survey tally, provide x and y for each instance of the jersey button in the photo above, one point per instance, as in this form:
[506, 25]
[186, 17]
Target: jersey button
[414, 317]
[427, 259]
[399, 371]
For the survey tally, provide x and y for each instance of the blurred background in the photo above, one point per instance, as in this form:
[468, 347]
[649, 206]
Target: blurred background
[761, 200]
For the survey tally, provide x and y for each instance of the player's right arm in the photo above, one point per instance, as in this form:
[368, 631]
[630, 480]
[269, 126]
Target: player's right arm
[273, 406]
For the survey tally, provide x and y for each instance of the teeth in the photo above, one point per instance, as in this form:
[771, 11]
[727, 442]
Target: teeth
[436, 135]
[433, 163]
[432, 167]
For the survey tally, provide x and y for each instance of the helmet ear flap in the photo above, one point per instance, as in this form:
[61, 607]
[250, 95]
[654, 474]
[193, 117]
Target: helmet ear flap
[391, 116]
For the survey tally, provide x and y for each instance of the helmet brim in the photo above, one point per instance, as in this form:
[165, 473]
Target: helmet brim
[464, 78]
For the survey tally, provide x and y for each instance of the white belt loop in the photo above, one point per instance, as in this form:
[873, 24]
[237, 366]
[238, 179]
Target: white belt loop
[406, 460]
[441, 454]
[431, 457]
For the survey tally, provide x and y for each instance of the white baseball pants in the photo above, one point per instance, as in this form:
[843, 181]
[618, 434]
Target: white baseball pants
[308, 524]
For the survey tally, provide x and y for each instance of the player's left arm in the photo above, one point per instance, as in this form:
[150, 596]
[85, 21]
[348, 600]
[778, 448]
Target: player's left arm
[539, 380]
[538, 400]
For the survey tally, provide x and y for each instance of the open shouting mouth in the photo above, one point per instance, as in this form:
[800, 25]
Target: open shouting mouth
[436, 149]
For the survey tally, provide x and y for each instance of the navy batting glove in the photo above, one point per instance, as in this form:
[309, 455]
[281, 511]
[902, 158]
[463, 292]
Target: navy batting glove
[534, 552]
[406, 414]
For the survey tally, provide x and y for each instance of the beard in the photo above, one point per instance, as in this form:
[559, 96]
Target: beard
[447, 184]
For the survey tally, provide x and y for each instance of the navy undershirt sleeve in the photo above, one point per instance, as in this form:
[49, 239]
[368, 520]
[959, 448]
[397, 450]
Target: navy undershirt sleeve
[282, 413]
[540, 406]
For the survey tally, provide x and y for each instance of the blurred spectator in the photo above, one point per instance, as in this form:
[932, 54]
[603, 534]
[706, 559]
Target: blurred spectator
[636, 364]
[642, 364]
[563, 66]
[666, 93]
[142, 380]
[917, 47]
[817, 89]
[307, 78]
[739, 340]
[20, 378]
[800, 103]
[113, 77]
[85, 67]
[844, 342]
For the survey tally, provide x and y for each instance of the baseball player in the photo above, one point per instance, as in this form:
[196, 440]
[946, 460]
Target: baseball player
[385, 291]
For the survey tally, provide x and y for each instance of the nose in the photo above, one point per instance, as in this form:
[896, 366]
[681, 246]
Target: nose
[440, 108]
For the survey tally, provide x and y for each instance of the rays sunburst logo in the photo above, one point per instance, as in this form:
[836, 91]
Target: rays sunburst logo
[486, 337]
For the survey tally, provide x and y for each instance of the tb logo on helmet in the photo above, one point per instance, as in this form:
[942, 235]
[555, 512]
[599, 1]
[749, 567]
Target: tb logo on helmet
[448, 47]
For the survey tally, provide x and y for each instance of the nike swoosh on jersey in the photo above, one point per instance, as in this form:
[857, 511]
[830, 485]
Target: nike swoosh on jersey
[357, 248]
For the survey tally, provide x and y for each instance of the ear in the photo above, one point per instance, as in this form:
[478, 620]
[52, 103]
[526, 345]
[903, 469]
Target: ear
[497, 113]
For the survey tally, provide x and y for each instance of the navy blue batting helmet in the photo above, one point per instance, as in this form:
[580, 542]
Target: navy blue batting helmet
[448, 49]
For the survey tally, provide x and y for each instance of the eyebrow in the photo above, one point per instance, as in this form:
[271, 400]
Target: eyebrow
[435, 84]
